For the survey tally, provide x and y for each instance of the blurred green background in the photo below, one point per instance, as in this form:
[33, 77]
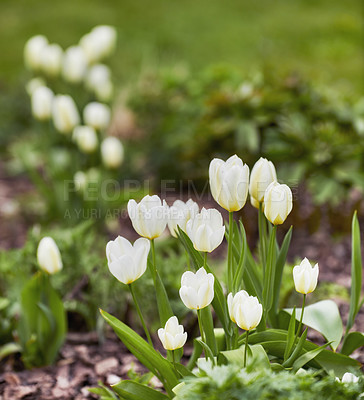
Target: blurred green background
[321, 38]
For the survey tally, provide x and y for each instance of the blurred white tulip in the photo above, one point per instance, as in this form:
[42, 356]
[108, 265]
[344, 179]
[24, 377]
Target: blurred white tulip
[180, 213]
[65, 113]
[41, 102]
[127, 262]
[98, 80]
[80, 180]
[48, 256]
[97, 115]
[74, 64]
[229, 182]
[197, 290]
[86, 138]
[99, 43]
[51, 58]
[172, 335]
[149, 217]
[348, 377]
[112, 152]
[244, 310]
[262, 175]
[305, 277]
[277, 203]
[32, 51]
[33, 84]
[206, 230]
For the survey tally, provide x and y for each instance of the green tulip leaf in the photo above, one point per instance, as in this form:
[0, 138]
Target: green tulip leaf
[324, 317]
[353, 341]
[130, 390]
[257, 353]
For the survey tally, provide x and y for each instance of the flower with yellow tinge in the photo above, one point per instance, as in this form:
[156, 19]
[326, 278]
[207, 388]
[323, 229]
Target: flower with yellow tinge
[126, 261]
[261, 176]
[197, 289]
[180, 213]
[149, 217]
[172, 335]
[32, 51]
[244, 310]
[86, 138]
[97, 115]
[49, 256]
[74, 64]
[65, 113]
[277, 203]
[229, 182]
[51, 58]
[99, 43]
[206, 230]
[305, 277]
[41, 102]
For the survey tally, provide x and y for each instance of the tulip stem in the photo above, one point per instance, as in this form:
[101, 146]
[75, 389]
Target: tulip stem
[246, 347]
[262, 236]
[230, 251]
[201, 329]
[205, 260]
[301, 319]
[140, 314]
[153, 256]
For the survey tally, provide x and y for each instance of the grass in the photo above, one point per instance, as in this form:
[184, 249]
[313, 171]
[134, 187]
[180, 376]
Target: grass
[321, 39]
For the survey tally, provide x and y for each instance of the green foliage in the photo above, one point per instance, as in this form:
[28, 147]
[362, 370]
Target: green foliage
[233, 383]
[309, 135]
[42, 327]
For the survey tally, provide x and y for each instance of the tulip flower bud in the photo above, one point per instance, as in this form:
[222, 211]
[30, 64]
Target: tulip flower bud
[277, 203]
[149, 217]
[33, 84]
[244, 310]
[172, 336]
[98, 80]
[112, 152]
[65, 113]
[86, 138]
[48, 255]
[97, 115]
[80, 180]
[229, 182]
[127, 262]
[99, 43]
[262, 175]
[51, 59]
[41, 100]
[197, 290]
[179, 214]
[206, 230]
[74, 64]
[32, 51]
[305, 277]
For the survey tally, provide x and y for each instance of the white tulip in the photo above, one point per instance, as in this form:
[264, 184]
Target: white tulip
[74, 64]
[149, 217]
[98, 80]
[86, 138]
[277, 203]
[262, 175]
[180, 213]
[349, 378]
[305, 277]
[97, 115]
[127, 262]
[41, 101]
[244, 310]
[172, 336]
[197, 290]
[80, 180]
[99, 43]
[206, 230]
[33, 84]
[32, 51]
[229, 182]
[48, 256]
[65, 113]
[51, 58]
[112, 152]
